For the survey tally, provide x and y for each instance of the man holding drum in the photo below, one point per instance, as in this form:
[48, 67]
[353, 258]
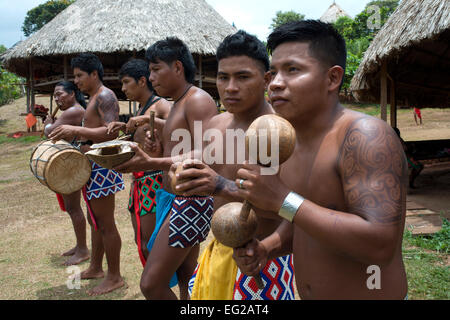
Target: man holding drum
[103, 108]
[71, 101]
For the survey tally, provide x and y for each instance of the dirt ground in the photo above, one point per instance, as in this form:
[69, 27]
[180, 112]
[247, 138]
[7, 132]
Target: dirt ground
[33, 231]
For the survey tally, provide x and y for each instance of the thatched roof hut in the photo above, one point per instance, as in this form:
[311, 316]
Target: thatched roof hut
[333, 13]
[412, 51]
[117, 30]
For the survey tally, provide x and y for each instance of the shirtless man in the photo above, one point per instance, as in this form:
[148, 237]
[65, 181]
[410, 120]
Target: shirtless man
[72, 104]
[99, 194]
[172, 72]
[242, 78]
[350, 168]
[142, 206]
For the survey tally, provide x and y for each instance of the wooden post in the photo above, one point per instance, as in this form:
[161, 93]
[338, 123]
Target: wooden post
[383, 87]
[65, 68]
[51, 104]
[200, 81]
[32, 97]
[393, 104]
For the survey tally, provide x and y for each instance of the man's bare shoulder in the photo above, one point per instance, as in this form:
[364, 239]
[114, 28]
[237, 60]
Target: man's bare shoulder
[199, 98]
[162, 108]
[220, 120]
[373, 168]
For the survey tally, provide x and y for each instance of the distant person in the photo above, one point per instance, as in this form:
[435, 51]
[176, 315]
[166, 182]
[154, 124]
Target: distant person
[71, 101]
[417, 114]
[414, 166]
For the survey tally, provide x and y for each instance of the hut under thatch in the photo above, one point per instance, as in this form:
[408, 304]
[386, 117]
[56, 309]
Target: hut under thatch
[411, 54]
[333, 13]
[117, 30]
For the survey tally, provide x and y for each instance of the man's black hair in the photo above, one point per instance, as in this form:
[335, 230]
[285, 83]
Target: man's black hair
[88, 62]
[243, 44]
[69, 87]
[136, 68]
[170, 50]
[325, 42]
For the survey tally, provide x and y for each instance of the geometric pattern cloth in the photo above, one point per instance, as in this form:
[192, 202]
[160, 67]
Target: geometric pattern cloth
[103, 182]
[278, 277]
[190, 220]
[145, 185]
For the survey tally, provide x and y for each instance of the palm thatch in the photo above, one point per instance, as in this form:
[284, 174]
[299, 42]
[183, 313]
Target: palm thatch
[333, 13]
[414, 45]
[117, 30]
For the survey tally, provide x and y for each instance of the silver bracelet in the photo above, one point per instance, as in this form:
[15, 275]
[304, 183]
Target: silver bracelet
[290, 206]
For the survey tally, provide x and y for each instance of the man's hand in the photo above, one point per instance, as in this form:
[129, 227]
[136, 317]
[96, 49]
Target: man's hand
[251, 258]
[263, 191]
[64, 132]
[153, 148]
[139, 162]
[115, 127]
[197, 178]
[134, 123]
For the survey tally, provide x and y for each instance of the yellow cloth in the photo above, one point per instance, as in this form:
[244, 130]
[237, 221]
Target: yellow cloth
[216, 273]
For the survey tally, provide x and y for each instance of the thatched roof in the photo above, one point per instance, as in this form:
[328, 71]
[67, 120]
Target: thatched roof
[415, 45]
[333, 13]
[117, 30]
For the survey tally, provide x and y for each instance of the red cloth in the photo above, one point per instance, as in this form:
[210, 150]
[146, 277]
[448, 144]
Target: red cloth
[61, 202]
[138, 175]
[30, 120]
[417, 111]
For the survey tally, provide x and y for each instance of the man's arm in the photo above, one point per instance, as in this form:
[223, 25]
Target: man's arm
[107, 107]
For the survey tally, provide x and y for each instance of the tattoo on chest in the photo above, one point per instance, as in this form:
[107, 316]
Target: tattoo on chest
[373, 169]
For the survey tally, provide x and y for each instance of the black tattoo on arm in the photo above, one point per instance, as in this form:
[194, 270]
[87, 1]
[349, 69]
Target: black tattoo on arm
[226, 185]
[107, 106]
[373, 170]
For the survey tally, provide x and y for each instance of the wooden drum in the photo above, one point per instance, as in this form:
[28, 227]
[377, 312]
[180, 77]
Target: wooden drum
[60, 166]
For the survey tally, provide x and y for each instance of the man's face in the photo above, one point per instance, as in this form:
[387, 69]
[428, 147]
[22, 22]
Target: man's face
[240, 82]
[161, 77]
[131, 88]
[62, 98]
[298, 81]
[83, 80]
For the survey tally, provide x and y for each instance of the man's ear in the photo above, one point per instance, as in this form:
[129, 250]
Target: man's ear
[142, 82]
[94, 73]
[335, 76]
[267, 78]
[178, 67]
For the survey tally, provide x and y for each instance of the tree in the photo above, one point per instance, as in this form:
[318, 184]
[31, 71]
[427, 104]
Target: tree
[37, 17]
[359, 32]
[9, 88]
[284, 17]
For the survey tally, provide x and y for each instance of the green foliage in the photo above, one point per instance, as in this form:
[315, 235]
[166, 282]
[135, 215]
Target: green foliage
[439, 241]
[359, 32]
[284, 17]
[22, 140]
[37, 17]
[9, 90]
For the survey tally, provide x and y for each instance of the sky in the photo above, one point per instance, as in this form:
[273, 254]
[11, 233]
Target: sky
[254, 16]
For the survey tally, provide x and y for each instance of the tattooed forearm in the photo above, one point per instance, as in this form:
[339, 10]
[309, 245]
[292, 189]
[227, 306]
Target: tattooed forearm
[373, 171]
[224, 185]
[107, 106]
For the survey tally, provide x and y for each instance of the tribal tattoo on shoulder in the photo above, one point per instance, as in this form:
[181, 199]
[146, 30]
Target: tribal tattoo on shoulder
[373, 170]
[107, 103]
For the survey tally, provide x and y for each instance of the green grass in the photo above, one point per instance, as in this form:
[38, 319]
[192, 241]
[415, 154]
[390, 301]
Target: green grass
[426, 264]
[24, 140]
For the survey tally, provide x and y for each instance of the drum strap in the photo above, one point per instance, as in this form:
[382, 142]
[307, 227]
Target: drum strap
[91, 214]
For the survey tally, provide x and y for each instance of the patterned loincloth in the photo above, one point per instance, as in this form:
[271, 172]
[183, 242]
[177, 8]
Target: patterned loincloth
[143, 193]
[143, 200]
[217, 277]
[278, 277]
[190, 220]
[103, 182]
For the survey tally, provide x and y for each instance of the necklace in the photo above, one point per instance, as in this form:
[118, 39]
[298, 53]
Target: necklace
[190, 86]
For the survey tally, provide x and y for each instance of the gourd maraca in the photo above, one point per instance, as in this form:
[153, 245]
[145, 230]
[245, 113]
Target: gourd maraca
[234, 224]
